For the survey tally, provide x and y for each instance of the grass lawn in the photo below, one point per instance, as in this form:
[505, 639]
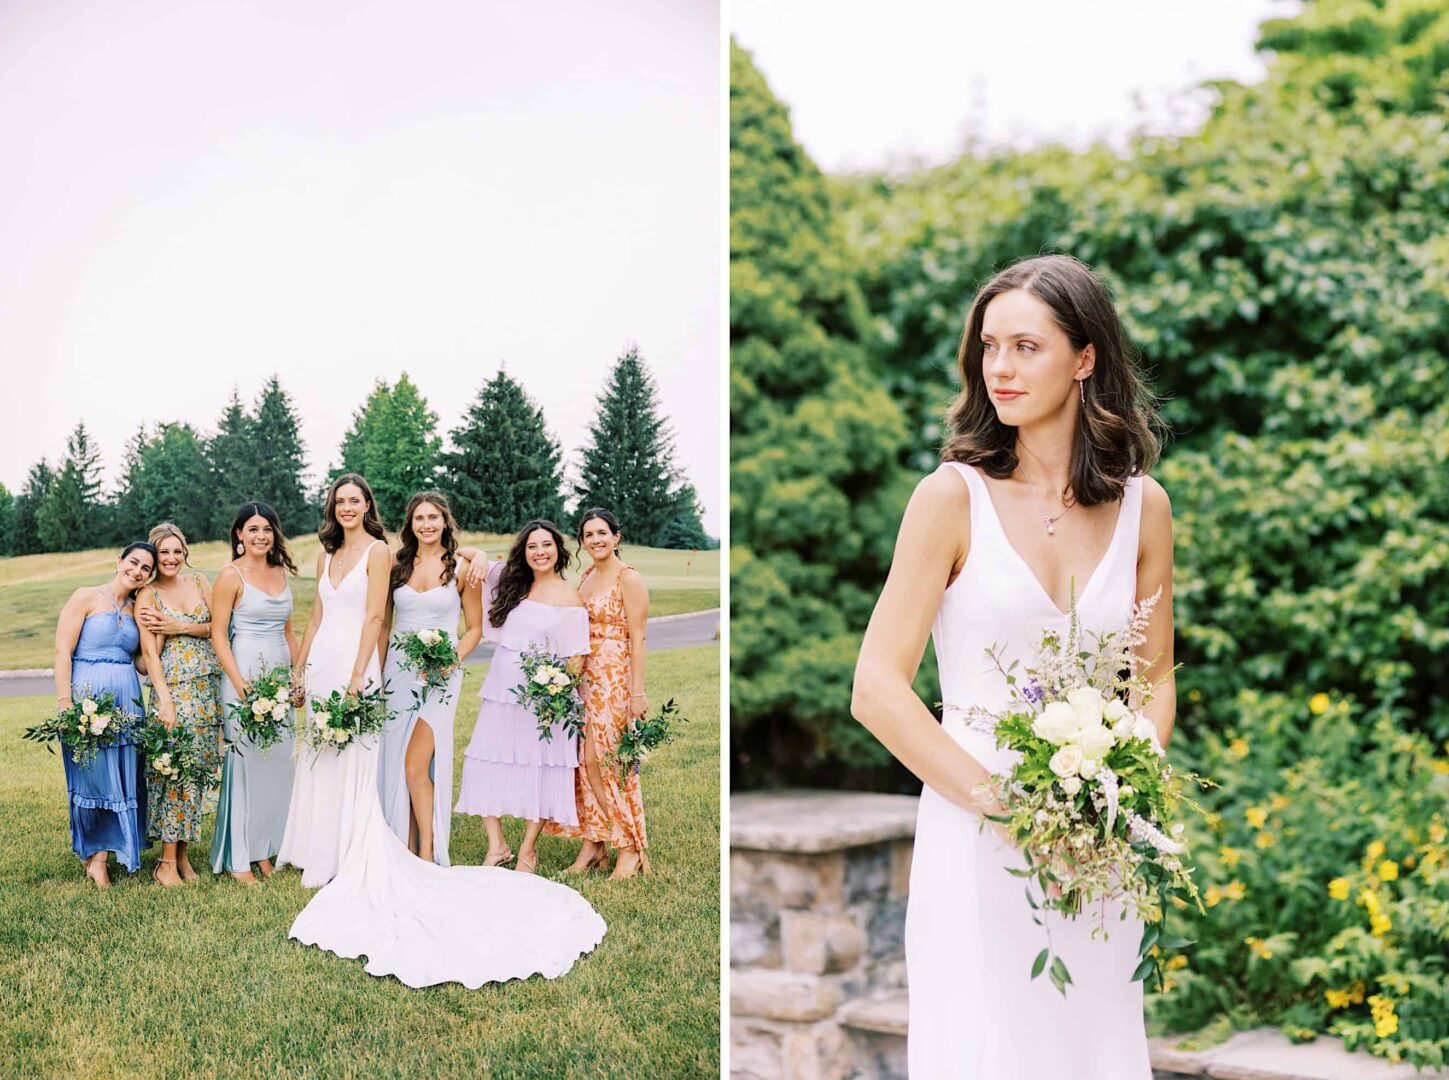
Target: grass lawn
[33, 588]
[202, 980]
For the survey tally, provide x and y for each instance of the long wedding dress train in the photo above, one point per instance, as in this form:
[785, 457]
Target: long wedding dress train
[422, 923]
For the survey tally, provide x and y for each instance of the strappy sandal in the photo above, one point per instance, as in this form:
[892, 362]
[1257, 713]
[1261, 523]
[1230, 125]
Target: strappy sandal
[499, 858]
[166, 884]
[527, 868]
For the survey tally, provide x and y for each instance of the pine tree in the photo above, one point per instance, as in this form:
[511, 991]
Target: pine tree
[504, 467]
[393, 442]
[24, 533]
[7, 512]
[69, 517]
[279, 459]
[167, 478]
[231, 456]
[128, 517]
[628, 464]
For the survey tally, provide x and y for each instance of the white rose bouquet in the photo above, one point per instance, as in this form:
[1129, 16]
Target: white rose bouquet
[433, 655]
[551, 692]
[175, 756]
[335, 721]
[1091, 798]
[85, 727]
[266, 709]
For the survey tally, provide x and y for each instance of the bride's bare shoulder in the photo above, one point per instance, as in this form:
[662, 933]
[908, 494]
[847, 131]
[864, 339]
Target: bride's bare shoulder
[942, 492]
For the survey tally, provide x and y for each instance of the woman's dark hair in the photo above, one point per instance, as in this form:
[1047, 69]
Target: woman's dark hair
[141, 545]
[331, 531]
[1117, 438]
[598, 513]
[278, 555]
[402, 567]
[516, 578]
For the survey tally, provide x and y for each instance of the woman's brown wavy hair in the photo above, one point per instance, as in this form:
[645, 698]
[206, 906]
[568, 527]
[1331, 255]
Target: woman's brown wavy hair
[516, 578]
[1118, 436]
[402, 567]
[331, 531]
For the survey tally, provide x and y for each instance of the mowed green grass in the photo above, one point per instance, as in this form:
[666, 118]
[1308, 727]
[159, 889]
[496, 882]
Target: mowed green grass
[202, 980]
[33, 588]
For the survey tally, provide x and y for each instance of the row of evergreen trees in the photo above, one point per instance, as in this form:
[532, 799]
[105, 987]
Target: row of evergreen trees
[501, 466]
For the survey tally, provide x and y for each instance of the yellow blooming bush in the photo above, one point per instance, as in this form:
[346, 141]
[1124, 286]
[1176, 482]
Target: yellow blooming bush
[1338, 922]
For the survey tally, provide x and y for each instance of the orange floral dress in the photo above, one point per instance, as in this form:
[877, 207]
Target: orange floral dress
[615, 814]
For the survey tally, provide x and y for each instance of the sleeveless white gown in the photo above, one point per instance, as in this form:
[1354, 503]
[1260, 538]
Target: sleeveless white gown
[419, 922]
[975, 1014]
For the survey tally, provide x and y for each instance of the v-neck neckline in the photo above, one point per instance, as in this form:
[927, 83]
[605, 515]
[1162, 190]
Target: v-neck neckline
[1036, 578]
[361, 559]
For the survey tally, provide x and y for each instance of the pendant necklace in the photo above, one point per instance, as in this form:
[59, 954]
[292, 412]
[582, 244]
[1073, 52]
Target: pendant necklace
[1048, 521]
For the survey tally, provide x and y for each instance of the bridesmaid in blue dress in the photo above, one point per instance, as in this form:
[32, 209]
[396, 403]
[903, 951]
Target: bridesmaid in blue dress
[415, 755]
[96, 643]
[251, 630]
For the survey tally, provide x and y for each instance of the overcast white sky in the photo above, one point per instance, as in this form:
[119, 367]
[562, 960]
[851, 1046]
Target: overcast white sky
[196, 195]
[875, 84]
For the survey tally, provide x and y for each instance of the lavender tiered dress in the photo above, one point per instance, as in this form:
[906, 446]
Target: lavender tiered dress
[108, 796]
[508, 771]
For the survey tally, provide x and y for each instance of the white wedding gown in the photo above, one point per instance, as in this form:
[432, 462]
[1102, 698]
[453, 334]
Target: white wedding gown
[975, 1013]
[419, 922]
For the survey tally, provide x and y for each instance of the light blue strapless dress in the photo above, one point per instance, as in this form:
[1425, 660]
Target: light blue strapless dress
[251, 813]
[108, 796]
[438, 608]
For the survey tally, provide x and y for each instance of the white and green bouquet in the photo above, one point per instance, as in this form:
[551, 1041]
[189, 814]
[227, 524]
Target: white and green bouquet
[645, 734]
[433, 656]
[551, 692]
[175, 756]
[88, 725]
[266, 709]
[340, 718]
[1091, 799]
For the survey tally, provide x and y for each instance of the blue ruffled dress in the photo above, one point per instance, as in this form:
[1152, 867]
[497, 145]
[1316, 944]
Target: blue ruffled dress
[108, 796]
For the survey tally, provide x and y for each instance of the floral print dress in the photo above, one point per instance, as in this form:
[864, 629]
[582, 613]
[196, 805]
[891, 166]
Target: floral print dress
[193, 674]
[617, 818]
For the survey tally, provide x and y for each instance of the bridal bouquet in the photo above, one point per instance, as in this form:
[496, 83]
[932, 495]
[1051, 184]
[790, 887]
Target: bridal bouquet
[1091, 799]
[551, 692]
[430, 653]
[85, 727]
[175, 756]
[266, 709]
[646, 734]
[339, 718]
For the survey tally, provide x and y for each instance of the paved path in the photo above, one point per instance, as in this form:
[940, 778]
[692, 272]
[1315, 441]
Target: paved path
[665, 632]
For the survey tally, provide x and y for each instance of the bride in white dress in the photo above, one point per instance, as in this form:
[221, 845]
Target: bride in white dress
[1042, 495]
[420, 922]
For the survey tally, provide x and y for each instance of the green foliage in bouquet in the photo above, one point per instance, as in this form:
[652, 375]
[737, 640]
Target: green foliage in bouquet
[175, 755]
[88, 725]
[1324, 869]
[646, 734]
[338, 719]
[266, 710]
[432, 655]
[551, 692]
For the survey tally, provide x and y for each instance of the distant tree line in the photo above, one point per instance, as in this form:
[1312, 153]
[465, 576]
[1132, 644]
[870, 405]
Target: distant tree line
[501, 466]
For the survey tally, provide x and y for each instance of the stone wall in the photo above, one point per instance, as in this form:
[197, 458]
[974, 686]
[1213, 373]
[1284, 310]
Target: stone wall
[818, 884]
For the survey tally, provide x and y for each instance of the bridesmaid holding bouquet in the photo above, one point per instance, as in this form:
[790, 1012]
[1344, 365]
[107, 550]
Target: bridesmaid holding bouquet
[96, 640]
[509, 768]
[415, 758]
[610, 804]
[251, 630]
[175, 617]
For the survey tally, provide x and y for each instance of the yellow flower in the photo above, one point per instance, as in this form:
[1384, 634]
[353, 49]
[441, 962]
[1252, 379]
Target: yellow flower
[1259, 947]
[1176, 963]
[1278, 803]
[1337, 999]
[1234, 890]
[1257, 816]
[1437, 832]
[1441, 767]
[1385, 1022]
[1264, 840]
[1318, 704]
[1214, 821]
[1379, 924]
[1194, 695]
[1408, 862]
[1375, 851]
[1230, 856]
[1355, 992]
[1338, 888]
[1237, 749]
[1388, 870]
